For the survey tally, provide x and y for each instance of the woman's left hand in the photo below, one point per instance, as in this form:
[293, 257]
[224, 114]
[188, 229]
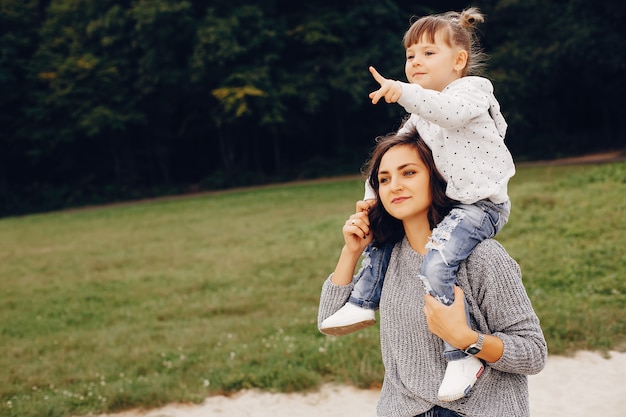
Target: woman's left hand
[449, 322]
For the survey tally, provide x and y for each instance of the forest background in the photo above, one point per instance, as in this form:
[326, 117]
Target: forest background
[112, 100]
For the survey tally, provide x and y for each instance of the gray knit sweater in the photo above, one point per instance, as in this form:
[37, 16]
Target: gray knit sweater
[412, 355]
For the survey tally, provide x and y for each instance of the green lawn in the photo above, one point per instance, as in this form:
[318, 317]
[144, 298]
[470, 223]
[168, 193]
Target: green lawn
[145, 304]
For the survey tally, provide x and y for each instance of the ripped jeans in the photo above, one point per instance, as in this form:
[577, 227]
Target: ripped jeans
[452, 241]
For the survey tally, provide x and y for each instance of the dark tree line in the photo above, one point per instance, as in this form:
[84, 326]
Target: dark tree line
[115, 99]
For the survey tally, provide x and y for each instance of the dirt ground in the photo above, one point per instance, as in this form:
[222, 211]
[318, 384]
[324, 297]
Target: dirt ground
[579, 386]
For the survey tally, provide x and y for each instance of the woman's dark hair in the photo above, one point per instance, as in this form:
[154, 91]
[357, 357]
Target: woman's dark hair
[386, 228]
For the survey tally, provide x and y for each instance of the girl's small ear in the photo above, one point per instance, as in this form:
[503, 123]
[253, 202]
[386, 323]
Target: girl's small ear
[461, 60]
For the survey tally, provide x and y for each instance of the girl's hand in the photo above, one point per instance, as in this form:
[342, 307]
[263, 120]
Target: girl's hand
[391, 90]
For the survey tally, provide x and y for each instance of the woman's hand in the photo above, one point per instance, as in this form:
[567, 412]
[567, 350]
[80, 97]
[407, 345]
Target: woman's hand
[356, 230]
[356, 235]
[449, 322]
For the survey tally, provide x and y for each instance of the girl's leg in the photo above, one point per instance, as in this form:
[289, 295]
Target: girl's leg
[452, 241]
[369, 279]
[359, 311]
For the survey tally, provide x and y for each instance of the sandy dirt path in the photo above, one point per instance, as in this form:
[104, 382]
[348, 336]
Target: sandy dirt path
[583, 385]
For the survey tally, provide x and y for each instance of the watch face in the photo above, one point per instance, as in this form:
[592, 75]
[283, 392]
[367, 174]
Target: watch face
[472, 350]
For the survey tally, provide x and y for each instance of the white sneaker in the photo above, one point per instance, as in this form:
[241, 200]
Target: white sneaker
[460, 377]
[348, 319]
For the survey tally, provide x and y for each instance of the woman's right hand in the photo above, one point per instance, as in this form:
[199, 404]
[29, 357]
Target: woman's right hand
[357, 235]
[356, 230]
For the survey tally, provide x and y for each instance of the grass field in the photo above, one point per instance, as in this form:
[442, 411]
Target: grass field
[145, 304]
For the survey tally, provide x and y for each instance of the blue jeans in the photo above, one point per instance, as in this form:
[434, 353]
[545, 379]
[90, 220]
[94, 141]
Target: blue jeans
[437, 411]
[452, 241]
[369, 279]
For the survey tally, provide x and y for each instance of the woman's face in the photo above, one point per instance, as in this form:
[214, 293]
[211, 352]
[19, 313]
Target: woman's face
[404, 184]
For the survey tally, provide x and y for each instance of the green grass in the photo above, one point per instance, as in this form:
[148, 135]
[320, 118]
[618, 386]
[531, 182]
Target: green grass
[568, 232]
[145, 304]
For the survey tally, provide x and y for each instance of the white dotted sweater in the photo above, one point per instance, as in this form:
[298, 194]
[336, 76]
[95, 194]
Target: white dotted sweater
[465, 130]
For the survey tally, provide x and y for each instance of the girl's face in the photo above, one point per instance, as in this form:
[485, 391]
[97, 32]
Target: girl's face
[434, 65]
[404, 184]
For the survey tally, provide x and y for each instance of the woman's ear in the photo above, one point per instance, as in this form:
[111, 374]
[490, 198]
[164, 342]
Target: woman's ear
[461, 60]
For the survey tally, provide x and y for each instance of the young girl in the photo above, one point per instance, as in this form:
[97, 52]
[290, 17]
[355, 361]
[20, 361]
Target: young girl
[459, 118]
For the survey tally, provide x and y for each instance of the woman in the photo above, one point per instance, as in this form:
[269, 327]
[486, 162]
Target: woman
[504, 333]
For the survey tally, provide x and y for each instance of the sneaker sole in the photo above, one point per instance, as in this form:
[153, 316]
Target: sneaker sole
[351, 328]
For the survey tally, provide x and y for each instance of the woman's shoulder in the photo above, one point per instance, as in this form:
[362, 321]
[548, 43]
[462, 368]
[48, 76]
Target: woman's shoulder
[489, 265]
[490, 245]
[490, 253]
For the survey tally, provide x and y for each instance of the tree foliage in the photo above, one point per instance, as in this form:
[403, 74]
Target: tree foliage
[118, 99]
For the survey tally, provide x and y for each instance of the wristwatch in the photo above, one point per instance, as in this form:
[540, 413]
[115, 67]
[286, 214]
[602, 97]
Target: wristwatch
[474, 348]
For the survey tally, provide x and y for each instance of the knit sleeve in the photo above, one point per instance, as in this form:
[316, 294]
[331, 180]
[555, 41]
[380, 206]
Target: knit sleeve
[333, 297]
[454, 107]
[506, 309]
